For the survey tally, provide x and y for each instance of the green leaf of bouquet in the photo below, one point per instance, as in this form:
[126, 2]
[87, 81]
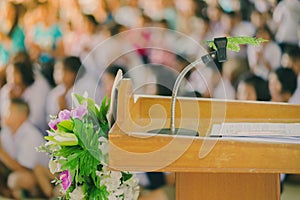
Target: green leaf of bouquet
[88, 164]
[63, 139]
[87, 137]
[126, 176]
[103, 109]
[66, 151]
[90, 102]
[98, 194]
[65, 126]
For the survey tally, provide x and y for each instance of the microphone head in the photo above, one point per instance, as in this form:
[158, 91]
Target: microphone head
[221, 44]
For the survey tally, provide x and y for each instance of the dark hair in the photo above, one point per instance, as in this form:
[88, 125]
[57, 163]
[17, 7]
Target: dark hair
[72, 63]
[260, 85]
[92, 19]
[23, 105]
[21, 57]
[26, 72]
[113, 69]
[292, 51]
[267, 29]
[287, 78]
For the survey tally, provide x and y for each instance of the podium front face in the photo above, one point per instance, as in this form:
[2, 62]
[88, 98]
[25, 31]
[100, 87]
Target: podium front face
[206, 167]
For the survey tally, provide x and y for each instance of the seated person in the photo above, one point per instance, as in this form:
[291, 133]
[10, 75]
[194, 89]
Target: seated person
[44, 179]
[253, 87]
[282, 84]
[18, 156]
[23, 83]
[108, 77]
[65, 74]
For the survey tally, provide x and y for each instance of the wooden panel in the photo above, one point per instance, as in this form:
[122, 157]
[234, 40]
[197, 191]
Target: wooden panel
[207, 168]
[132, 148]
[216, 186]
[167, 153]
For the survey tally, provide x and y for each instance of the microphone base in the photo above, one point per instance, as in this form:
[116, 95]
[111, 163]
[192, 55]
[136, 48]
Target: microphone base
[178, 131]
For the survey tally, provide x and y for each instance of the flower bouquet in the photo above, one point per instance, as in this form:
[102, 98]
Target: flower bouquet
[78, 149]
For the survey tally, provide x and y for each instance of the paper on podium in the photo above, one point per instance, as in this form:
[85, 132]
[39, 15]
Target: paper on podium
[275, 132]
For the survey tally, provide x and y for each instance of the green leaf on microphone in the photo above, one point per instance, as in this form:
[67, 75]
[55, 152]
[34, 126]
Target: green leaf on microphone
[233, 43]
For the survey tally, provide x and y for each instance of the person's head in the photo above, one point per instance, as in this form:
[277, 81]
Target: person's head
[291, 58]
[15, 114]
[91, 23]
[8, 18]
[230, 19]
[282, 84]
[265, 33]
[108, 77]
[252, 87]
[20, 74]
[21, 57]
[257, 19]
[67, 71]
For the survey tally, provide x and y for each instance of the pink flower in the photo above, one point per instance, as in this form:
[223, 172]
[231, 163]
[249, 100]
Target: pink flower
[76, 113]
[66, 179]
[80, 111]
[53, 124]
[64, 115]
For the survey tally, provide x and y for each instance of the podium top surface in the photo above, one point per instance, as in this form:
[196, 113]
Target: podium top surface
[133, 149]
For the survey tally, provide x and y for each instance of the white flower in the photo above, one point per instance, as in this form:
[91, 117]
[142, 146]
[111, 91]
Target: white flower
[103, 145]
[77, 194]
[128, 190]
[54, 166]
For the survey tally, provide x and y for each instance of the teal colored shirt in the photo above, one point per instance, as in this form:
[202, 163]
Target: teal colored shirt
[17, 44]
[47, 37]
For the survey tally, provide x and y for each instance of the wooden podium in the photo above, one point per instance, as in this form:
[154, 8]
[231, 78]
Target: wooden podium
[206, 168]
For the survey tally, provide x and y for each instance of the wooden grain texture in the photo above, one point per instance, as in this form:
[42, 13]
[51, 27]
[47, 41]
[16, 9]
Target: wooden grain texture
[212, 186]
[235, 167]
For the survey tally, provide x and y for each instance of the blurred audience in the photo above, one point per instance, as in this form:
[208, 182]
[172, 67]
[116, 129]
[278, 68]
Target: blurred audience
[282, 84]
[266, 57]
[18, 155]
[252, 87]
[75, 42]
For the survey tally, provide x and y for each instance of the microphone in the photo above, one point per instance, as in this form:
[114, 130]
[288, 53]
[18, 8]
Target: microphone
[220, 55]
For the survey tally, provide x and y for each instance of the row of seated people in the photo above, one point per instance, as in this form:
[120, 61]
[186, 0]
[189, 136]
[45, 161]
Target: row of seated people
[27, 90]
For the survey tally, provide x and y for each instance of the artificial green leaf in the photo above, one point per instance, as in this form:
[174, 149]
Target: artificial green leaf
[126, 176]
[90, 102]
[87, 138]
[65, 126]
[63, 139]
[233, 43]
[233, 47]
[98, 194]
[103, 110]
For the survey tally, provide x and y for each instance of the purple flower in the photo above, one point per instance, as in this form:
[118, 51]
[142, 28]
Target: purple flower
[76, 113]
[64, 115]
[66, 179]
[80, 111]
[53, 124]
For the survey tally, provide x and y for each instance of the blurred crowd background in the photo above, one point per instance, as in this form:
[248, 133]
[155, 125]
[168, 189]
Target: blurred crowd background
[50, 48]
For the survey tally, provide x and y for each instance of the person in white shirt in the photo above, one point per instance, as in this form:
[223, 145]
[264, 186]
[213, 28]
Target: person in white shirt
[18, 142]
[291, 59]
[265, 58]
[65, 73]
[282, 84]
[287, 17]
[70, 77]
[23, 83]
